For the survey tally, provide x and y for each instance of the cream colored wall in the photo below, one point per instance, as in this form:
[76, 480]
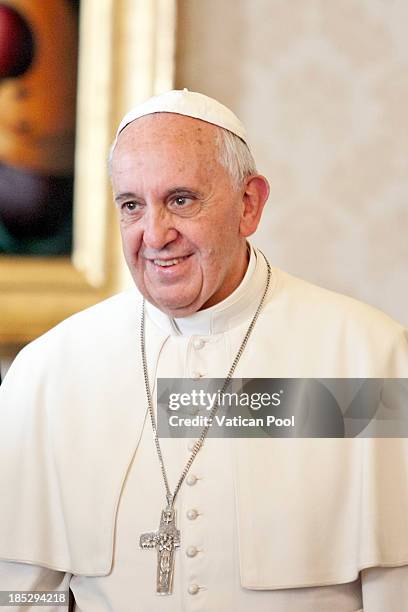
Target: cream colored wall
[323, 90]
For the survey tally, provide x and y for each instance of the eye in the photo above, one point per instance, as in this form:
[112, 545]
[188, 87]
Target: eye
[184, 205]
[130, 206]
[181, 201]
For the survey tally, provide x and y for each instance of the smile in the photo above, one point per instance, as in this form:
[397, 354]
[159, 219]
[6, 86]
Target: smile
[165, 263]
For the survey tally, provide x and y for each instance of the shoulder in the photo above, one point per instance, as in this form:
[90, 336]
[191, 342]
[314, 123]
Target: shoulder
[316, 304]
[89, 330]
[323, 329]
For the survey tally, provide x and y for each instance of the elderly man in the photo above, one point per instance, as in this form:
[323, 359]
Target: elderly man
[90, 493]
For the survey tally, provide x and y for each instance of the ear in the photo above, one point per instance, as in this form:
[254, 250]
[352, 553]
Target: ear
[254, 198]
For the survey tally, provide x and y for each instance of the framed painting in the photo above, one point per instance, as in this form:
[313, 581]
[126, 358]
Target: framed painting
[126, 50]
[38, 91]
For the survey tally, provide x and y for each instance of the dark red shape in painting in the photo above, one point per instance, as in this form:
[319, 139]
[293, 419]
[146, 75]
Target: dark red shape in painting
[16, 43]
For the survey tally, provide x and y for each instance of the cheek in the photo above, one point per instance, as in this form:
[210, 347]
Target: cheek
[131, 240]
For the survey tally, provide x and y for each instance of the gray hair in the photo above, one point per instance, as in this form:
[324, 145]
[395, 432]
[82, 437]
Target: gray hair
[234, 156]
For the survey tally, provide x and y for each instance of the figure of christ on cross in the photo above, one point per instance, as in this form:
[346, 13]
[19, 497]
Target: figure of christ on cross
[165, 540]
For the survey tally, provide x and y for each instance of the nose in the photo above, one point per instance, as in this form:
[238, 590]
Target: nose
[158, 229]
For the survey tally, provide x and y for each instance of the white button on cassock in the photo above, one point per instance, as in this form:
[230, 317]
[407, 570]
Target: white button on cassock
[198, 343]
[191, 551]
[192, 514]
[191, 480]
[193, 589]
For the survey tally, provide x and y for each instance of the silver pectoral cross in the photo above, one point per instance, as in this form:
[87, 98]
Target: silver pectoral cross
[165, 540]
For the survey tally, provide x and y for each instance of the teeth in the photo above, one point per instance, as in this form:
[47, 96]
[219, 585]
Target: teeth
[167, 262]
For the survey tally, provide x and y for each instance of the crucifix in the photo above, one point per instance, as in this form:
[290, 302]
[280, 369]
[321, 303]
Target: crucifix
[165, 540]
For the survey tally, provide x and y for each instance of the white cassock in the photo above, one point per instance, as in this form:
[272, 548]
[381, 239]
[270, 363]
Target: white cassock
[282, 525]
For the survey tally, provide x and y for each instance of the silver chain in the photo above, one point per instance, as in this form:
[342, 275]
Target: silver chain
[171, 497]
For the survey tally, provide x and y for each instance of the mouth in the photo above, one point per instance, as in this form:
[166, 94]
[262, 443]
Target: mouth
[168, 263]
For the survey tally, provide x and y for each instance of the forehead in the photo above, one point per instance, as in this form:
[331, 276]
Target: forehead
[165, 150]
[168, 131]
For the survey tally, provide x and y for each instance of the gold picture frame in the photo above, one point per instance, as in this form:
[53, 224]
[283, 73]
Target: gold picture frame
[126, 54]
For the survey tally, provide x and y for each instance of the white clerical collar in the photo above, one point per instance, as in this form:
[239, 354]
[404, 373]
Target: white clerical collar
[235, 310]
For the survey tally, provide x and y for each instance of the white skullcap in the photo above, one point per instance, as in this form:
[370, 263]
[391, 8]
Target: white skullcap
[189, 103]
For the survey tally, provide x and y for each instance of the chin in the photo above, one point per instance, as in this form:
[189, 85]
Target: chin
[177, 309]
[178, 312]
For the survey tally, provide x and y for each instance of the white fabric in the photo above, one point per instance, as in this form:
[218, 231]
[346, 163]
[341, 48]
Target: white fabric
[21, 577]
[81, 414]
[380, 590]
[189, 103]
[215, 567]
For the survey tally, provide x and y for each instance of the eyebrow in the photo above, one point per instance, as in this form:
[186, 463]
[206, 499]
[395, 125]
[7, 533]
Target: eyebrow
[177, 190]
[123, 195]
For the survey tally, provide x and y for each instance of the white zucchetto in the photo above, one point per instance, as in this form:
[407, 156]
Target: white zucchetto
[189, 103]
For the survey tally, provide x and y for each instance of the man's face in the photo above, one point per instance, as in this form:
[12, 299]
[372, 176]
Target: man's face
[179, 213]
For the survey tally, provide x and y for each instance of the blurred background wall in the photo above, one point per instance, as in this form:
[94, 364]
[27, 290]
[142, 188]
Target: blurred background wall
[322, 87]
